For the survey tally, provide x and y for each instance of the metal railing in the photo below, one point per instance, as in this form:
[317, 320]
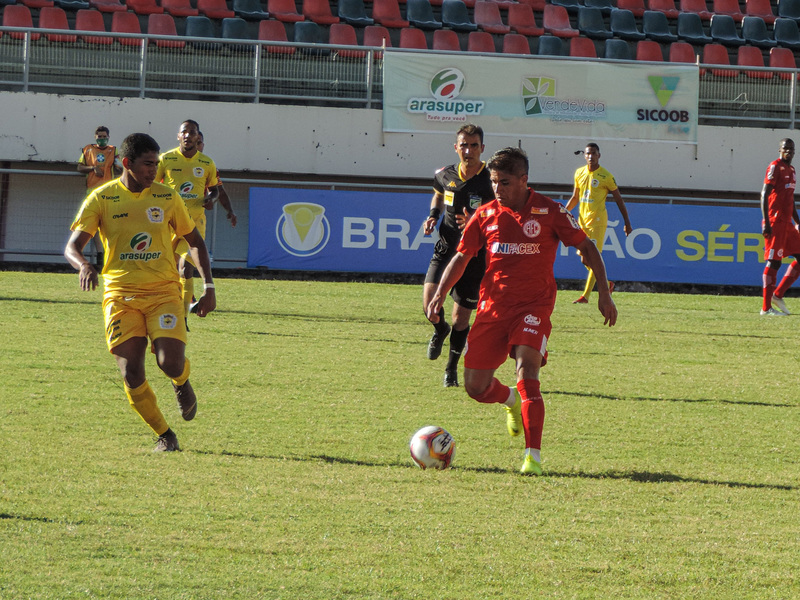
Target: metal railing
[152, 66]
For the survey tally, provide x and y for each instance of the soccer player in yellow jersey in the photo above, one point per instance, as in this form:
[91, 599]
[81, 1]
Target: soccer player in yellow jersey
[593, 183]
[194, 176]
[137, 219]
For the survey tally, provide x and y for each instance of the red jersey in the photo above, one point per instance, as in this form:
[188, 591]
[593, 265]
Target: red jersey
[780, 202]
[520, 251]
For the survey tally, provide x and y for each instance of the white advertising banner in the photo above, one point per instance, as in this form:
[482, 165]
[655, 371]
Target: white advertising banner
[540, 97]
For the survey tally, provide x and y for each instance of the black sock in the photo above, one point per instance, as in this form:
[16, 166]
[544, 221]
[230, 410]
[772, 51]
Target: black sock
[458, 339]
[441, 326]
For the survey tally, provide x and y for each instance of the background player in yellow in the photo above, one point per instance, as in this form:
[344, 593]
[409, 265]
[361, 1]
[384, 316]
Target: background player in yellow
[194, 176]
[592, 184]
[137, 219]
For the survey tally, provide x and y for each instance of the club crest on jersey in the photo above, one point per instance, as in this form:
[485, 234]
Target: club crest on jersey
[101, 158]
[532, 228]
[198, 171]
[168, 321]
[532, 320]
[155, 214]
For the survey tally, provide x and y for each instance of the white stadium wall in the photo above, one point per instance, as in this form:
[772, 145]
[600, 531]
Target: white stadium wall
[47, 128]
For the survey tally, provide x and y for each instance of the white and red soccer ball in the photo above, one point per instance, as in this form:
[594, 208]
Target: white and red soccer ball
[432, 447]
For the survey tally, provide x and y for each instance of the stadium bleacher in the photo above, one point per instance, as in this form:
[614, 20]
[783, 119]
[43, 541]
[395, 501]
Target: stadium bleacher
[670, 27]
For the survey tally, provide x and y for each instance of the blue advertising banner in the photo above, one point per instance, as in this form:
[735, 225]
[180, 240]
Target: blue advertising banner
[380, 232]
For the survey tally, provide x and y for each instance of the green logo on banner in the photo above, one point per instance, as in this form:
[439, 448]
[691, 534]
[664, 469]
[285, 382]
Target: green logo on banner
[663, 87]
[535, 88]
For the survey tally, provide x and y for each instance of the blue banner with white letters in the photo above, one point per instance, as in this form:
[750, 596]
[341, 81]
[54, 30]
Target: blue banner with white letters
[381, 232]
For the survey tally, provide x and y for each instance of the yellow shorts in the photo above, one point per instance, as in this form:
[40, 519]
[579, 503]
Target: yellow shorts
[182, 246]
[148, 315]
[596, 229]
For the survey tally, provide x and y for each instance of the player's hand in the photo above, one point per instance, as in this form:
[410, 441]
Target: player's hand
[628, 229]
[207, 303]
[430, 225]
[766, 230]
[208, 203]
[232, 218]
[434, 306]
[608, 309]
[461, 220]
[98, 170]
[87, 277]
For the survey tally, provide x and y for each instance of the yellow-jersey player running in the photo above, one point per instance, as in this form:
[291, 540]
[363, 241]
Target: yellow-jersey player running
[194, 176]
[137, 220]
[593, 183]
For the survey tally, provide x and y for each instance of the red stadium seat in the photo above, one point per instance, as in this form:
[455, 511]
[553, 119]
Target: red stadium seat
[782, 58]
[487, 17]
[284, 10]
[319, 11]
[179, 8]
[717, 54]
[215, 9]
[536, 5]
[728, 7]
[37, 3]
[107, 5]
[53, 17]
[126, 22]
[144, 7]
[377, 36]
[19, 15]
[446, 39]
[582, 47]
[343, 34]
[750, 56]
[635, 6]
[274, 31]
[683, 52]
[556, 22]
[387, 13]
[760, 8]
[665, 6]
[164, 24]
[522, 20]
[411, 37]
[480, 41]
[516, 43]
[697, 7]
[91, 20]
[649, 50]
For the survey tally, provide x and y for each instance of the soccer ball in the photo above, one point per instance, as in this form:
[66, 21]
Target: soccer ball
[432, 448]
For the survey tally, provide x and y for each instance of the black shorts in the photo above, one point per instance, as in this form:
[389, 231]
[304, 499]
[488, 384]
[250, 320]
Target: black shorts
[466, 290]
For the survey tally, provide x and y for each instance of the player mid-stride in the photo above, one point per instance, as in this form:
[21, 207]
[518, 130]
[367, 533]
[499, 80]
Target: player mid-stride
[520, 231]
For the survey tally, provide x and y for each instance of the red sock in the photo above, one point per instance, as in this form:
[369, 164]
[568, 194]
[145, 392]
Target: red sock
[494, 394]
[769, 287]
[788, 280]
[532, 412]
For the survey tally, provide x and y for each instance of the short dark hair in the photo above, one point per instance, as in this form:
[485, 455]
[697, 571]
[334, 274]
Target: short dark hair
[509, 160]
[470, 129]
[102, 129]
[191, 122]
[137, 144]
[593, 145]
[785, 140]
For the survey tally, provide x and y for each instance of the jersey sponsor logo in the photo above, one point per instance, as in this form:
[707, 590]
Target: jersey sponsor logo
[487, 213]
[531, 331]
[155, 214]
[572, 221]
[539, 211]
[492, 228]
[198, 171]
[514, 248]
[532, 320]
[140, 243]
[532, 228]
[186, 190]
[168, 321]
[303, 229]
[120, 216]
[167, 195]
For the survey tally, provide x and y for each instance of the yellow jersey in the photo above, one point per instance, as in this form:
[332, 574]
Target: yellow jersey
[593, 188]
[136, 231]
[189, 177]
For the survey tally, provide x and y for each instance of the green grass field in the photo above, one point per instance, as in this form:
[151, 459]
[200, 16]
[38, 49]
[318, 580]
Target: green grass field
[670, 452]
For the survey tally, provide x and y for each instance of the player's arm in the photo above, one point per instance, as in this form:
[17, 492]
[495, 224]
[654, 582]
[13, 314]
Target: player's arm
[437, 204]
[199, 252]
[592, 259]
[225, 202]
[117, 168]
[452, 273]
[573, 200]
[211, 197]
[73, 252]
[623, 210]
[765, 192]
[85, 169]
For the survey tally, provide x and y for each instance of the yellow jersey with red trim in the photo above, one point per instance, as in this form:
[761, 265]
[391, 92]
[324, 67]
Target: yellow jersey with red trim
[594, 187]
[190, 177]
[136, 231]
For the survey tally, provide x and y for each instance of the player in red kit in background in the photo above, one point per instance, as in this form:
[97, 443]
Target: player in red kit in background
[781, 237]
[520, 231]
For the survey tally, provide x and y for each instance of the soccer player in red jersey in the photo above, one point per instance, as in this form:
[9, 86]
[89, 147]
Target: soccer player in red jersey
[781, 236]
[520, 231]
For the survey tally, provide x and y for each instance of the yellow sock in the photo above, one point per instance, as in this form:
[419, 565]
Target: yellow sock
[590, 281]
[181, 379]
[188, 292]
[143, 401]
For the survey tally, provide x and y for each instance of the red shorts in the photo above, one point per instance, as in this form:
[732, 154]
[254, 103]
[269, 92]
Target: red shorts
[491, 342]
[784, 241]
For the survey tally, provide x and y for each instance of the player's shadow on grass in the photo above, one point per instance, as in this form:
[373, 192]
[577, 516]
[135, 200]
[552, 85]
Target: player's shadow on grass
[7, 516]
[635, 476]
[689, 400]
